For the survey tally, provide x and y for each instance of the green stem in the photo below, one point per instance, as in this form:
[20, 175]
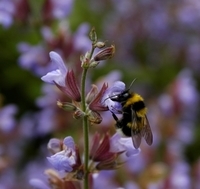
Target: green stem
[85, 125]
[85, 130]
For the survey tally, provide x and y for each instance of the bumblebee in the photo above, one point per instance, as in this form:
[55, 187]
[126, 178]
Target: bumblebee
[134, 122]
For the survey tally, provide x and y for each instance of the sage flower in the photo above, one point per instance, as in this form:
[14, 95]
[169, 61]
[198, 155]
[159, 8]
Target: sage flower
[65, 159]
[59, 74]
[113, 106]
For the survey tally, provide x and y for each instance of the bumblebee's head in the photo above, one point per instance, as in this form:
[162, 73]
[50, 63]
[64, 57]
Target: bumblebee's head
[122, 97]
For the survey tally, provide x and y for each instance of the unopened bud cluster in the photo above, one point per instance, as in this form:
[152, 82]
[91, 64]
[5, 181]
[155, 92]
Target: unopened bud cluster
[91, 62]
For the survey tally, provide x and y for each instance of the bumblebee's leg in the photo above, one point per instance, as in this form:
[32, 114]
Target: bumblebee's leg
[115, 117]
[116, 110]
[118, 123]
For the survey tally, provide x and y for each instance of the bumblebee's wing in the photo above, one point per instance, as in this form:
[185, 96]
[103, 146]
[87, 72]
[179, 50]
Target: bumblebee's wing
[146, 131]
[136, 138]
[136, 134]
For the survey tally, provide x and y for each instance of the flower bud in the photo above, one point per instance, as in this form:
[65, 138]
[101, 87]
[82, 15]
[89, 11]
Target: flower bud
[93, 35]
[67, 106]
[78, 114]
[100, 44]
[95, 118]
[93, 64]
[85, 60]
[105, 53]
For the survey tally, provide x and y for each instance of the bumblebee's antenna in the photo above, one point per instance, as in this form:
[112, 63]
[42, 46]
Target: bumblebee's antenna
[131, 84]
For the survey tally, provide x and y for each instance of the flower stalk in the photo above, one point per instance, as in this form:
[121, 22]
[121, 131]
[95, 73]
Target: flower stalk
[66, 155]
[85, 124]
[85, 129]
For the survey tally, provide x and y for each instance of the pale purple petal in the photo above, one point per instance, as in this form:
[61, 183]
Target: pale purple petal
[48, 98]
[5, 19]
[29, 58]
[117, 88]
[54, 145]
[61, 162]
[65, 159]
[7, 9]
[180, 176]
[7, 120]
[102, 179]
[59, 74]
[69, 142]
[127, 143]
[45, 121]
[81, 39]
[57, 60]
[33, 58]
[38, 184]
[52, 76]
[62, 8]
[47, 33]
[186, 89]
[119, 143]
